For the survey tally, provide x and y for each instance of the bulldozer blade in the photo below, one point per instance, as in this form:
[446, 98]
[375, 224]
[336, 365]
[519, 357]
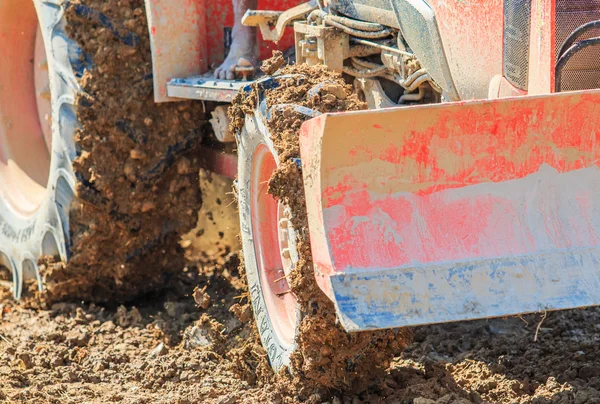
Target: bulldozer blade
[457, 211]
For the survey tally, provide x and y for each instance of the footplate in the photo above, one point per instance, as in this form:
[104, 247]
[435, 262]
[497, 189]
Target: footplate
[205, 88]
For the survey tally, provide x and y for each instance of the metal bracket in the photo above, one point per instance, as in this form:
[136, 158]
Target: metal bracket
[332, 45]
[272, 24]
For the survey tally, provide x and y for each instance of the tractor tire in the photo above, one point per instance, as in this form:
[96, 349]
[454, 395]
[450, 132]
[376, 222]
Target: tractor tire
[296, 322]
[97, 183]
[266, 236]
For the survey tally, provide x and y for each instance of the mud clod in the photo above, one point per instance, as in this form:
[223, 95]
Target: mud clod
[202, 298]
[137, 172]
[270, 66]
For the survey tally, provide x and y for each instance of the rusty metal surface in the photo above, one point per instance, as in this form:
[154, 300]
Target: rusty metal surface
[541, 48]
[458, 183]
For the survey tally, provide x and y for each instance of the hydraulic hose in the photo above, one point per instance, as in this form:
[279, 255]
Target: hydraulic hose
[358, 33]
[355, 24]
[567, 55]
[572, 38]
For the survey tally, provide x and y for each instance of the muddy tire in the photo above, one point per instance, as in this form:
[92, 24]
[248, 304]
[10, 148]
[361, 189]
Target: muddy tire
[37, 185]
[267, 118]
[103, 209]
[263, 226]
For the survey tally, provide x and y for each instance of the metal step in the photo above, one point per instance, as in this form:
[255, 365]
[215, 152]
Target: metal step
[205, 88]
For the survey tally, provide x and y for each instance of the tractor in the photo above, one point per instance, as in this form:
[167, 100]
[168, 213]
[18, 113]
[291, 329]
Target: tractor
[469, 188]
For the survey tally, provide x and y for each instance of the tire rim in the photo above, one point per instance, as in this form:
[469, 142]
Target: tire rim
[271, 244]
[25, 108]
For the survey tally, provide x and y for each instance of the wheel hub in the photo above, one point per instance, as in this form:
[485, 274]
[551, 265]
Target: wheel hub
[287, 237]
[274, 246]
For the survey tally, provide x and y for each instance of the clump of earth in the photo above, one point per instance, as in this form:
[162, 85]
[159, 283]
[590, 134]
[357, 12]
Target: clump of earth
[195, 342]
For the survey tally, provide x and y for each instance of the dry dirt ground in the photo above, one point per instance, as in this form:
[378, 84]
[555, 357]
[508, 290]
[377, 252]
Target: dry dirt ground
[195, 342]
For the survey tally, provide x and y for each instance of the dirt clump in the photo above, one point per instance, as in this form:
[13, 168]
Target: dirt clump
[136, 169]
[148, 352]
[327, 356]
[270, 66]
[135, 354]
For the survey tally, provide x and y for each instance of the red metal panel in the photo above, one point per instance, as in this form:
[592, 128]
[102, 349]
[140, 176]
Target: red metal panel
[219, 161]
[452, 182]
[177, 37]
[542, 47]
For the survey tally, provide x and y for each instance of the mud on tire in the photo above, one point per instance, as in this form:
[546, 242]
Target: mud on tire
[277, 328]
[322, 355]
[123, 179]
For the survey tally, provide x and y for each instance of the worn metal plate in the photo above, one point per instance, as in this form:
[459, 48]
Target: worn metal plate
[426, 192]
[467, 290]
[203, 88]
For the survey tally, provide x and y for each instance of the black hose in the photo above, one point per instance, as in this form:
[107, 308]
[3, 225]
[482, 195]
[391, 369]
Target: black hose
[579, 46]
[572, 38]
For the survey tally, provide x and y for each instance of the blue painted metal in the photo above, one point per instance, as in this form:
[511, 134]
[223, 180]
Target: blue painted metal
[397, 297]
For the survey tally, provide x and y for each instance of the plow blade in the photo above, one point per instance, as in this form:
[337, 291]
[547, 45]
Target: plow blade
[456, 211]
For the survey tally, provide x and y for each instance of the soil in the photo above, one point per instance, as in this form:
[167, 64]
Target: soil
[170, 348]
[137, 165]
